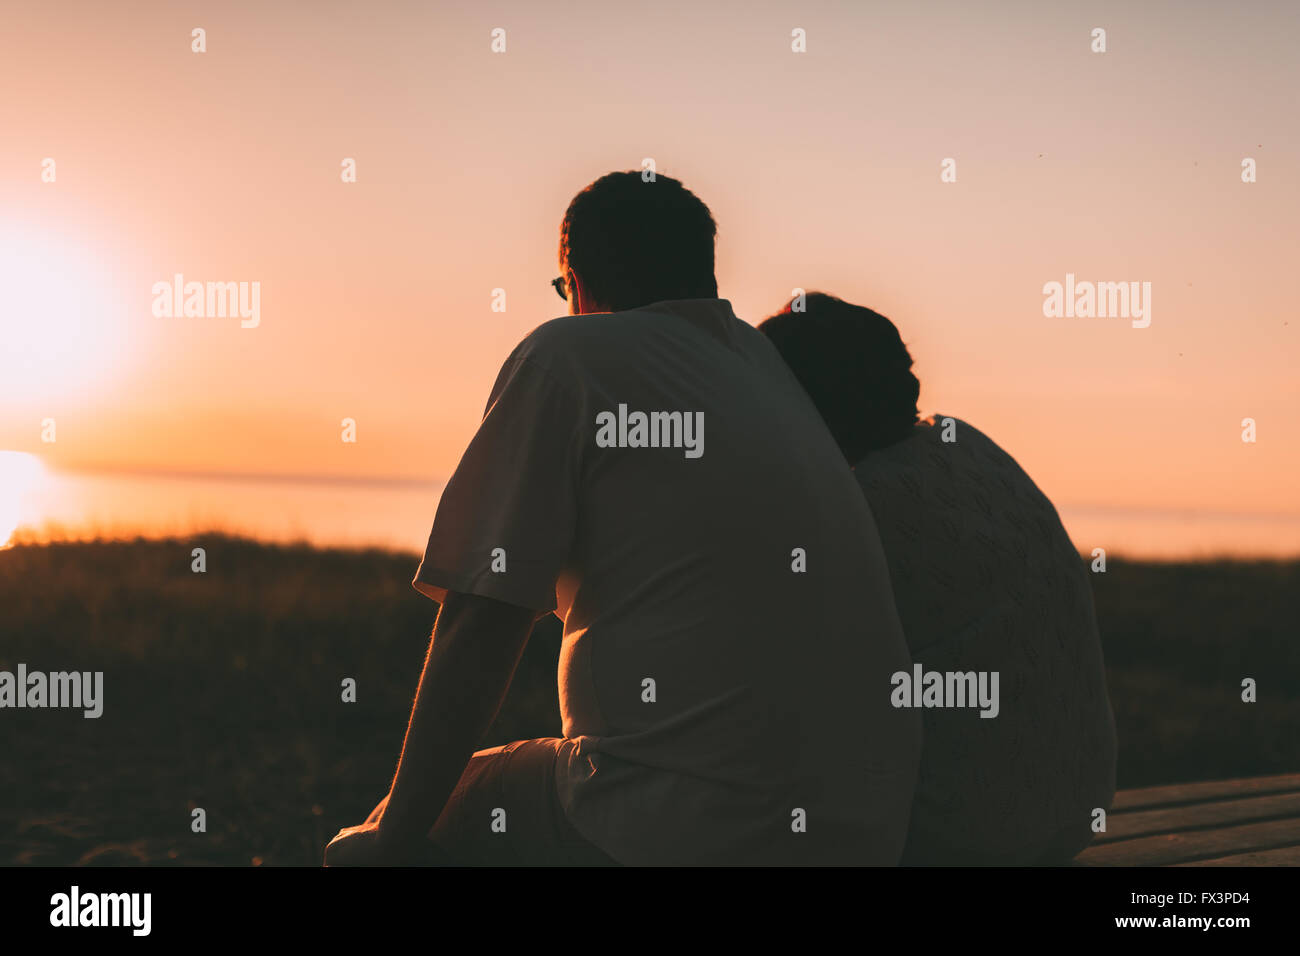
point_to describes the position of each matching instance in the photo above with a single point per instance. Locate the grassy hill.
(222, 690)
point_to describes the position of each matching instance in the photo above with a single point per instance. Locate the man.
(648, 469)
(987, 581)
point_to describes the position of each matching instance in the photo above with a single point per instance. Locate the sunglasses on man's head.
(558, 283)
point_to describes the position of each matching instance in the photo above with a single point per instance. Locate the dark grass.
(222, 690)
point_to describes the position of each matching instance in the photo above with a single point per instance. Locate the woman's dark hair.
(633, 242)
(854, 366)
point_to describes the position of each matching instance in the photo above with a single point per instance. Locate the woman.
(986, 580)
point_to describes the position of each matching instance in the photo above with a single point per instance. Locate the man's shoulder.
(580, 339)
(560, 333)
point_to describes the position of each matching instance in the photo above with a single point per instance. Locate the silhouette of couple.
(739, 624)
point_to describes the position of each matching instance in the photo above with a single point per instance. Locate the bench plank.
(1283, 856)
(1170, 848)
(1198, 816)
(1184, 793)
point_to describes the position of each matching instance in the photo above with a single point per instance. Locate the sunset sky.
(822, 169)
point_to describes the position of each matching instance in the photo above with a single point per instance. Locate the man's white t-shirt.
(729, 627)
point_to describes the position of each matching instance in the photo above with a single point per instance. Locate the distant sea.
(326, 512)
(398, 514)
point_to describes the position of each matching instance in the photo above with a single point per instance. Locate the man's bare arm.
(476, 646)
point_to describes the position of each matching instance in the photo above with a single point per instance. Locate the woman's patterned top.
(986, 579)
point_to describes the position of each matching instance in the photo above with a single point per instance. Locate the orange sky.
(821, 168)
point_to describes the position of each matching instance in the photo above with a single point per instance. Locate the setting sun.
(20, 475)
(60, 314)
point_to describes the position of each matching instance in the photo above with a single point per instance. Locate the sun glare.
(20, 475)
(60, 317)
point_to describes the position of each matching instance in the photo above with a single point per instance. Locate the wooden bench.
(1248, 822)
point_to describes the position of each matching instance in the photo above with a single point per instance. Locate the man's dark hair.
(854, 366)
(633, 242)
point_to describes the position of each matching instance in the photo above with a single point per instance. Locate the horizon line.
(247, 477)
(398, 481)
